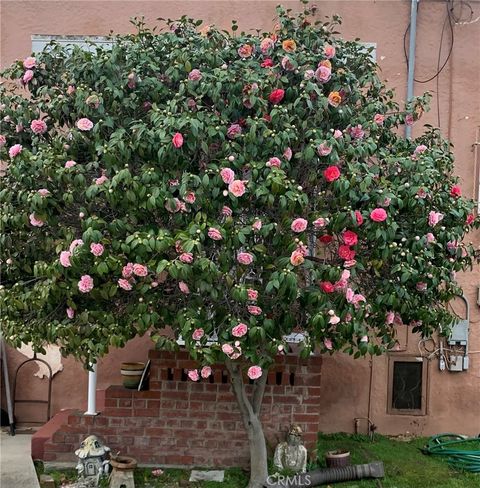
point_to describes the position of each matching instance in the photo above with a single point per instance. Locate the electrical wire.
(448, 19)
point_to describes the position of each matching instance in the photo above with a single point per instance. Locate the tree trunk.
(250, 411)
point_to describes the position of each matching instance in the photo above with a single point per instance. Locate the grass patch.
(405, 467)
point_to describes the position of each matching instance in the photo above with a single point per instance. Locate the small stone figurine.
(292, 454)
(93, 462)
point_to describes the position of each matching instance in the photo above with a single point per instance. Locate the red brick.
(118, 412)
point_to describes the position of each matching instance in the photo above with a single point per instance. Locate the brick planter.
(179, 422)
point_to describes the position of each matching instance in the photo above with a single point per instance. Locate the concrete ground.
(16, 465)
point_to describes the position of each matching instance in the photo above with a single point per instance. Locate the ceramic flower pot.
(132, 374)
(337, 459)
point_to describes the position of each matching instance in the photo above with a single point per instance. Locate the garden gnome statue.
(93, 462)
(292, 454)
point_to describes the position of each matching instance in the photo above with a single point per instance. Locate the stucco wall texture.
(453, 399)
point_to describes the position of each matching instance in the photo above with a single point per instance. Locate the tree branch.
(258, 392)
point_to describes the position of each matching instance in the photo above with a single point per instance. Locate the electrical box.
(455, 363)
(459, 334)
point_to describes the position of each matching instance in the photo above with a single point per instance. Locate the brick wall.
(179, 422)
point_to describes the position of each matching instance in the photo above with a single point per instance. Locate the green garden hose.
(452, 447)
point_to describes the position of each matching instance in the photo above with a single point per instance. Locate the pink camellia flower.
(346, 253)
(421, 193)
(420, 149)
(206, 372)
(332, 173)
(96, 249)
(38, 126)
(350, 238)
(350, 263)
(349, 294)
(3, 140)
(357, 132)
(297, 257)
(157, 472)
(409, 119)
(237, 188)
(328, 343)
(190, 197)
(35, 221)
(276, 96)
(334, 320)
(323, 74)
(239, 330)
(456, 191)
(70, 89)
(299, 225)
(254, 310)
(357, 298)
(319, 223)
(214, 234)
(173, 182)
(364, 338)
(267, 63)
(470, 219)
(195, 75)
(186, 257)
(27, 76)
(287, 154)
(379, 119)
(434, 218)
(389, 318)
(234, 131)
(245, 51)
(177, 140)
(245, 258)
(19, 128)
(101, 179)
(43, 192)
(132, 80)
(84, 124)
(65, 259)
(15, 150)
(274, 162)
(329, 51)
(337, 134)
(386, 202)
(227, 349)
(140, 270)
(421, 286)
(430, 237)
(29, 63)
(325, 239)
(85, 284)
(254, 372)
(193, 375)
(324, 149)
(257, 225)
(75, 243)
(70, 164)
(252, 294)
(184, 287)
(125, 284)
(327, 286)
(266, 44)
(227, 211)
(358, 217)
(198, 334)
(378, 215)
(309, 74)
(70, 313)
(228, 175)
(287, 64)
(127, 271)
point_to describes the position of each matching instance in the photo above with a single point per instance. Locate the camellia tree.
(231, 188)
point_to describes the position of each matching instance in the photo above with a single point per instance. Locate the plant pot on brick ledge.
(132, 374)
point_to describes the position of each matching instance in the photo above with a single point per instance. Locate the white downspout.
(92, 391)
(411, 59)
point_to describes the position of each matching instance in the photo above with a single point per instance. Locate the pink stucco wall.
(454, 398)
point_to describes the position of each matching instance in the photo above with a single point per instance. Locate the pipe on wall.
(411, 59)
(92, 391)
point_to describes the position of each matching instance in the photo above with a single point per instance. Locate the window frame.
(395, 358)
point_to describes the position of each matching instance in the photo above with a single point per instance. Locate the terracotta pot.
(337, 459)
(123, 463)
(132, 374)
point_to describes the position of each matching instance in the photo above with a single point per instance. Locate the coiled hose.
(448, 445)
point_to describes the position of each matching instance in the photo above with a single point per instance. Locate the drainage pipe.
(330, 475)
(411, 59)
(92, 391)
